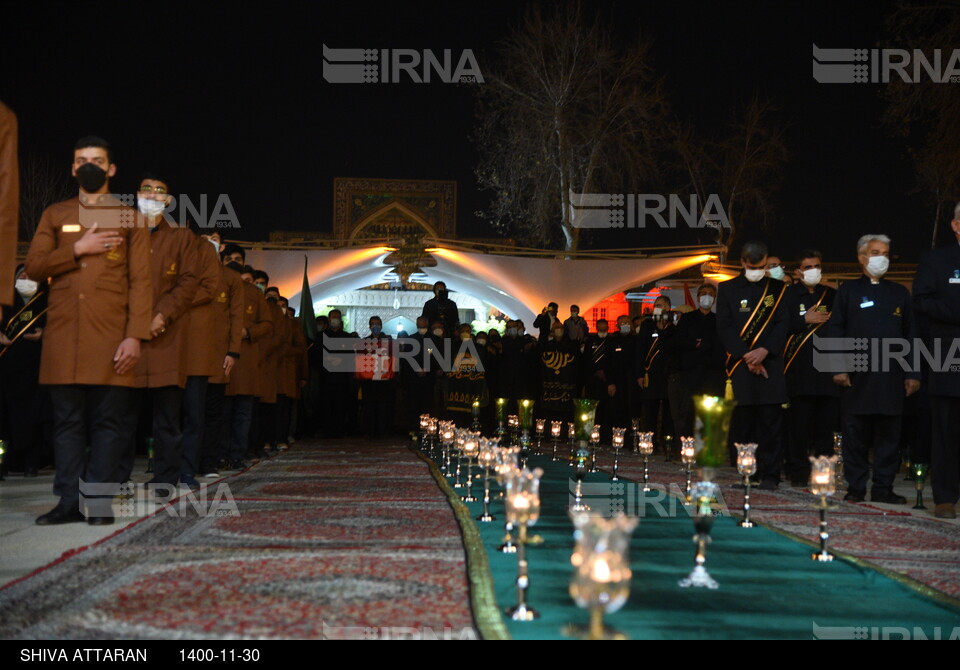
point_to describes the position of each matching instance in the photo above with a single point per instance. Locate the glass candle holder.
(523, 510)
(747, 467)
(617, 440)
(919, 471)
(823, 483)
(601, 570)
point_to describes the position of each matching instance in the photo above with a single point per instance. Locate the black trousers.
(811, 421)
(862, 431)
(24, 406)
(945, 454)
(336, 407)
(241, 420)
(194, 416)
(167, 405)
(762, 424)
(100, 412)
(657, 419)
(216, 413)
(377, 412)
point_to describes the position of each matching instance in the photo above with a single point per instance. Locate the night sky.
(228, 101)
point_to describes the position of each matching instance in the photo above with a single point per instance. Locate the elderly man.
(871, 401)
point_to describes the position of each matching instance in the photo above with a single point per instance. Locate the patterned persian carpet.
(339, 540)
(924, 549)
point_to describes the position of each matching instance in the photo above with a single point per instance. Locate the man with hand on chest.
(871, 398)
(98, 263)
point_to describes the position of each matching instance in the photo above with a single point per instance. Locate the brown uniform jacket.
(206, 347)
(95, 302)
(228, 319)
(271, 355)
(173, 266)
(295, 368)
(9, 202)
(245, 379)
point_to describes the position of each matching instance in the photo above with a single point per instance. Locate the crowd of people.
(127, 335)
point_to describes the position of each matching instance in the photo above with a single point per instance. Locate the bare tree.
(568, 110)
(742, 170)
(926, 115)
(43, 181)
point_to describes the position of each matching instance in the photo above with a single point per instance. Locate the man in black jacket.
(936, 296)
(441, 308)
(752, 324)
(654, 362)
(814, 413)
(871, 401)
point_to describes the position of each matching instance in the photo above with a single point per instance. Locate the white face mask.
(482, 341)
(26, 288)
(625, 329)
(755, 275)
(422, 331)
(812, 276)
(438, 332)
(657, 311)
(602, 334)
(877, 265)
(777, 273)
(706, 301)
(334, 323)
(150, 207)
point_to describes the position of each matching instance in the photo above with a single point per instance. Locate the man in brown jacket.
(226, 334)
(162, 369)
(205, 358)
(245, 384)
(98, 264)
(9, 201)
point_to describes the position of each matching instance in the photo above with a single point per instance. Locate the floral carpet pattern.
(339, 540)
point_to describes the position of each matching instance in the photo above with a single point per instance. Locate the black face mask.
(91, 177)
(272, 300)
(442, 294)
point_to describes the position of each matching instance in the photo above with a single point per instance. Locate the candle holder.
(594, 446)
(747, 467)
(646, 450)
(584, 413)
(471, 447)
(150, 453)
(3, 453)
(712, 429)
(823, 483)
(424, 422)
(601, 571)
(433, 432)
(838, 452)
(635, 432)
(908, 464)
(513, 423)
(447, 435)
(688, 455)
(487, 459)
(920, 471)
(523, 508)
(507, 458)
(572, 441)
(501, 408)
(525, 425)
(617, 444)
(541, 426)
(475, 413)
(458, 447)
(555, 428)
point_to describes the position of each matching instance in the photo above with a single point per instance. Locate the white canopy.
(519, 287)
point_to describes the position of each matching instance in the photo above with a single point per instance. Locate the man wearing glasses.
(98, 262)
(162, 369)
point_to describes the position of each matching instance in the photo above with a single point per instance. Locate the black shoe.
(768, 485)
(799, 482)
(887, 496)
(100, 520)
(854, 497)
(59, 515)
(237, 465)
(30, 473)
